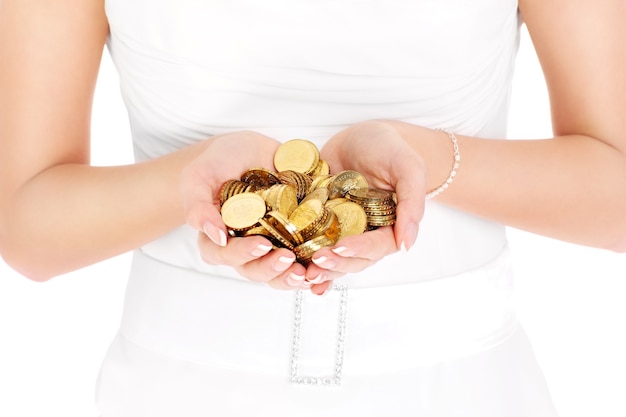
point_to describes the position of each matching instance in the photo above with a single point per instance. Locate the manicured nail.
(409, 238)
(214, 233)
(324, 262)
(260, 250)
(323, 293)
(283, 263)
(343, 251)
(318, 279)
(294, 280)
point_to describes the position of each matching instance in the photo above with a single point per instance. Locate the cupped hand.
(378, 151)
(226, 157)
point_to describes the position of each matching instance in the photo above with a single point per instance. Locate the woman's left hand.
(378, 151)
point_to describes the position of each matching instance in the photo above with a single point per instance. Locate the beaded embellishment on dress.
(335, 379)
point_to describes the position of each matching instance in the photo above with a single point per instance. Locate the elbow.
(618, 246)
(28, 271)
(22, 255)
(615, 217)
(34, 275)
(24, 263)
(616, 237)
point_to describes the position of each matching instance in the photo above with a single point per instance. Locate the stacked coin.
(301, 206)
(379, 205)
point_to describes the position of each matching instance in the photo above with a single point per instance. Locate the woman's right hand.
(226, 157)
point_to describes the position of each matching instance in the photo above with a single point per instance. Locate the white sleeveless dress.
(429, 332)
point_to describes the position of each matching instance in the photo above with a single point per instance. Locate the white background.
(570, 298)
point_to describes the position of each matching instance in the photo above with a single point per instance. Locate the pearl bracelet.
(457, 157)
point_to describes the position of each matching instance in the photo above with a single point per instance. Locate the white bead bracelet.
(457, 157)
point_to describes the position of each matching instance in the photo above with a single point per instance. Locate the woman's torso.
(190, 69)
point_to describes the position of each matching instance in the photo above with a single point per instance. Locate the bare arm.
(574, 186)
(571, 187)
(56, 212)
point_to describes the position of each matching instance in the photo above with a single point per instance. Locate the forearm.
(571, 188)
(72, 215)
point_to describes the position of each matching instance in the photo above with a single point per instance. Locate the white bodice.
(190, 69)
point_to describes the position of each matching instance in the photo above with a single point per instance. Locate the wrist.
(440, 151)
(456, 159)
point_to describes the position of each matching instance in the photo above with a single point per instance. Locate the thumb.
(202, 208)
(204, 216)
(410, 190)
(409, 212)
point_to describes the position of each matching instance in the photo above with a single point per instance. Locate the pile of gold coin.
(300, 205)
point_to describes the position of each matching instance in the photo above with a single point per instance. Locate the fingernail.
(324, 262)
(294, 280)
(283, 263)
(323, 293)
(318, 279)
(214, 233)
(410, 235)
(260, 250)
(343, 251)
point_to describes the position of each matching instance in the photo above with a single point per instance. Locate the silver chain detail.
(335, 379)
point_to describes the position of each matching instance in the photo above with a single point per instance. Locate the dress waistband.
(236, 324)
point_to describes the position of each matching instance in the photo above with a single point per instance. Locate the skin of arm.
(52, 212)
(57, 213)
(571, 187)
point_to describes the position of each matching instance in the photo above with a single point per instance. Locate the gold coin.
(320, 194)
(301, 182)
(303, 207)
(319, 226)
(322, 169)
(381, 219)
(335, 201)
(281, 197)
(283, 241)
(346, 181)
(232, 187)
(260, 177)
(330, 227)
(304, 252)
(285, 226)
(379, 210)
(352, 218)
(296, 155)
(321, 181)
(372, 199)
(370, 195)
(306, 215)
(287, 199)
(262, 231)
(242, 211)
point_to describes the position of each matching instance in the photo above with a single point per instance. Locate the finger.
(373, 244)
(317, 275)
(410, 182)
(200, 204)
(252, 256)
(355, 253)
(277, 263)
(329, 261)
(291, 279)
(237, 252)
(321, 289)
(409, 212)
